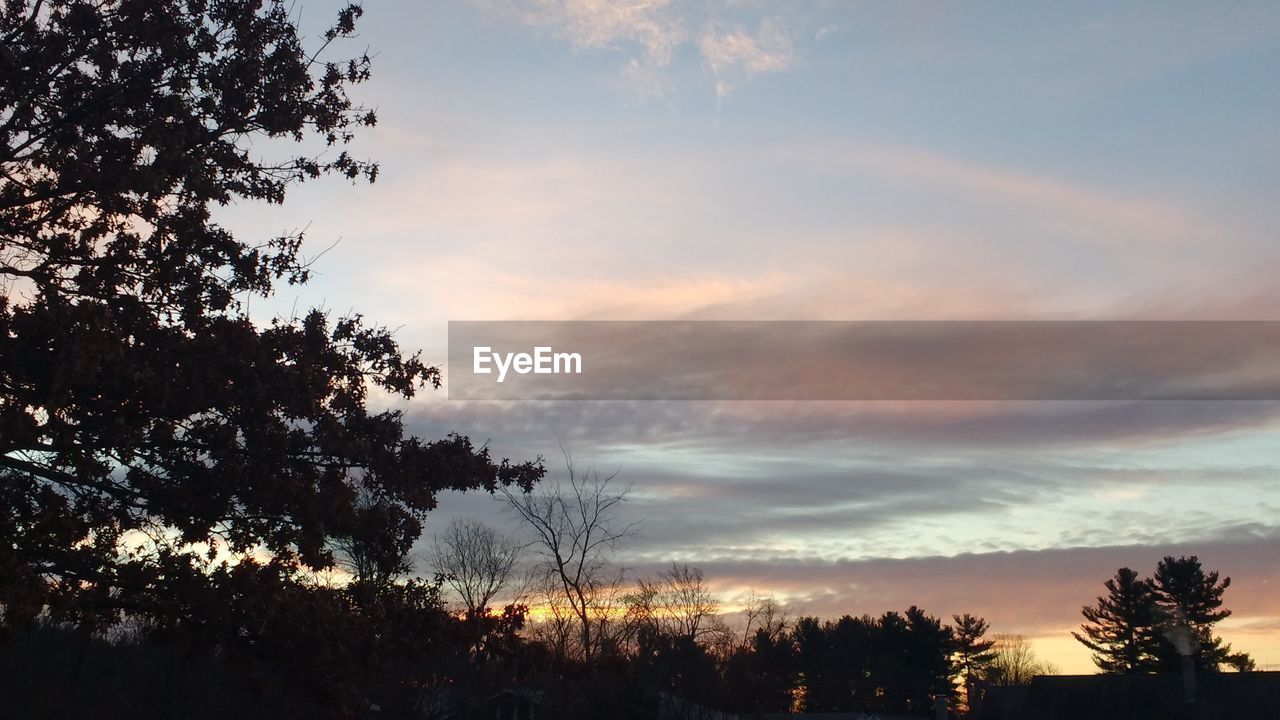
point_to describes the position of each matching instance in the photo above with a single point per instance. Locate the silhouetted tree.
(1015, 663)
(759, 613)
(476, 561)
(930, 643)
(617, 615)
(897, 663)
(575, 525)
(370, 567)
(161, 453)
(973, 653)
(1122, 627)
(675, 664)
(825, 667)
(762, 678)
(679, 603)
(1241, 662)
(1184, 590)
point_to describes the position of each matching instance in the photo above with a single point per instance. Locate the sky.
(753, 160)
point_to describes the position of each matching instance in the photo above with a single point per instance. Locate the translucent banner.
(864, 360)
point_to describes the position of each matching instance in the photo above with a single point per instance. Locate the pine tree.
(1122, 628)
(973, 654)
(1183, 589)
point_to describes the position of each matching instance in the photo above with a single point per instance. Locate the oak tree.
(163, 453)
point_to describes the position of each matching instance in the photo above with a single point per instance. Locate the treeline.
(429, 658)
(666, 636)
(553, 622)
(897, 663)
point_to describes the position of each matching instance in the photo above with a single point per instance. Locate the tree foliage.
(896, 663)
(162, 453)
(1121, 628)
(1186, 593)
(973, 652)
(762, 677)
(1131, 628)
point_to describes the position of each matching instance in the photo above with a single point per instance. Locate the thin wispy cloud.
(649, 34)
(736, 55)
(1034, 582)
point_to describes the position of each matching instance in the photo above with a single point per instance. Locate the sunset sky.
(741, 160)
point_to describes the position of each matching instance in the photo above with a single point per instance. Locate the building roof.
(1219, 696)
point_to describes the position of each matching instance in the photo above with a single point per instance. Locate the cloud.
(649, 25)
(1015, 511)
(574, 232)
(602, 23)
(1030, 591)
(885, 429)
(736, 56)
(513, 295)
(646, 32)
(650, 32)
(1115, 217)
(742, 480)
(1255, 626)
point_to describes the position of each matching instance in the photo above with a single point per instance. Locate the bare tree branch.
(476, 561)
(575, 524)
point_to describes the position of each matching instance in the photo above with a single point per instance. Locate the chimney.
(1187, 642)
(940, 707)
(1188, 680)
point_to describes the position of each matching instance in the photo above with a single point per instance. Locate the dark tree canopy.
(1185, 592)
(161, 453)
(1130, 628)
(763, 677)
(1121, 628)
(896, 663)
(973, 652)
